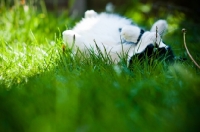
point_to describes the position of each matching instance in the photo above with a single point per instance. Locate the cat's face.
(150, 46)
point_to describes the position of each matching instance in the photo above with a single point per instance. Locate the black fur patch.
(141, 33)
(166, 53)
(155, 53)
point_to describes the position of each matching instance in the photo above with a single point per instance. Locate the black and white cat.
(114, 35)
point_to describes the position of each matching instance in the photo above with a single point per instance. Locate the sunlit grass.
(44, 88)
(29, 43)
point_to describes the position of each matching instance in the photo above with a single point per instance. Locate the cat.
(114, 35)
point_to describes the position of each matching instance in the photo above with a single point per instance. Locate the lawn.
(43, 88)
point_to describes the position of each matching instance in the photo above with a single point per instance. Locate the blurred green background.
(43, 88)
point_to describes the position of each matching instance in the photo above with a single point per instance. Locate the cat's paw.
(73, 39)
(90, 14)
(130, 33)
(160, 27)
(69, 36)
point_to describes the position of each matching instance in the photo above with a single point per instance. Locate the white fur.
(90, 13)
(103, 30)
(130, 33)
(160, 26)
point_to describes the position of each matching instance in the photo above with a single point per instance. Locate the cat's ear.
(160, 27)
(90, 14)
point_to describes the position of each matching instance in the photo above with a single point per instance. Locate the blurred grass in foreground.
(43, 88)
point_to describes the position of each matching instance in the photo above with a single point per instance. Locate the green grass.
(43, 88)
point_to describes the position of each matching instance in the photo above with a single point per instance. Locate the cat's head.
(149, 44)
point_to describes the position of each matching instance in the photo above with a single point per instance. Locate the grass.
(43, 88)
